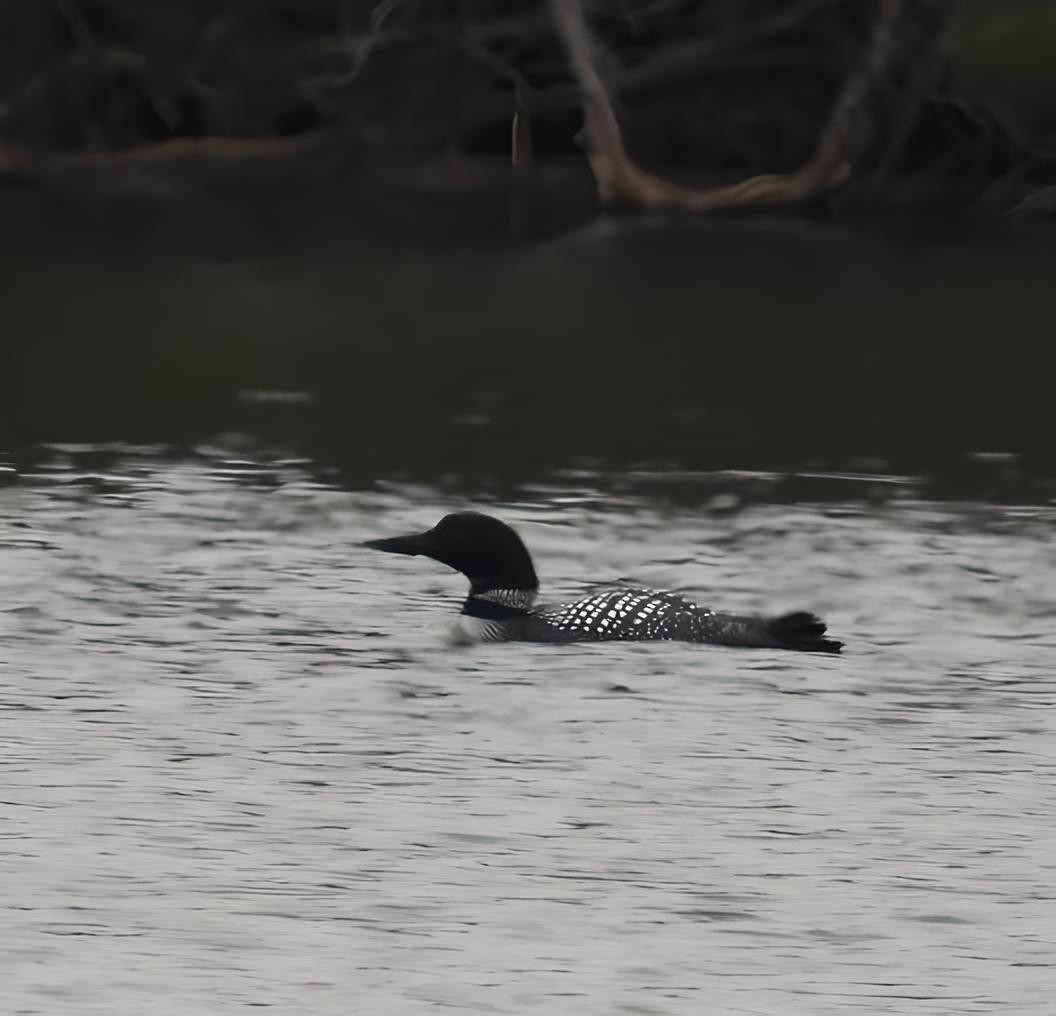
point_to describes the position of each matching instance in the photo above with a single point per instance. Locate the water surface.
(242, 766)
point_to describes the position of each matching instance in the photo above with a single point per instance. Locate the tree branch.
(619, 179)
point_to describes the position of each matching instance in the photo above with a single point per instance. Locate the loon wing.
(650, 614)
(633, 614)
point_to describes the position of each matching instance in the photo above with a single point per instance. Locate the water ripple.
(242, 767)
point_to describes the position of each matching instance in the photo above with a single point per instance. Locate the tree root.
(620, 180)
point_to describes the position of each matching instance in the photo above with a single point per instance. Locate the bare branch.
(619, 179)
(75, 20)
(521, 126)
(677, 59)
(366, 47)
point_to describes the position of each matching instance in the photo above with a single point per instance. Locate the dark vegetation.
(946, 104)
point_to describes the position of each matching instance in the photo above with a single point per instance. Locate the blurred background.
(298, 223)
(965, 113)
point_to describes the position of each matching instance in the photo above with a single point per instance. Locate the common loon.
(501, 604)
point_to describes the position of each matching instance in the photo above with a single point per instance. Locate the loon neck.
(499, 604)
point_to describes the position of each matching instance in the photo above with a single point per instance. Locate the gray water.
(242, 767)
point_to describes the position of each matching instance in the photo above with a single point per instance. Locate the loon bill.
(501, 604)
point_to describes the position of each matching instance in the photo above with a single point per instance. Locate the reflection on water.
(241, 766)
(707, 349)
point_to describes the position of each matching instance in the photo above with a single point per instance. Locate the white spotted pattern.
(637, 614)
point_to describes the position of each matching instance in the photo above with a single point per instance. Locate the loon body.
(501, 606)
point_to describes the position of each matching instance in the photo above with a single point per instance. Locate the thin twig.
(678, 58)
(520, 128)
(378, 16)
(75, 19)
(1040, 204)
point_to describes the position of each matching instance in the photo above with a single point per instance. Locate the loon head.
(488, 552)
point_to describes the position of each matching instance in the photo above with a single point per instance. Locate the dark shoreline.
(319, 205)
(160, 103)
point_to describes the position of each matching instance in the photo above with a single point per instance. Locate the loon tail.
(804, 632)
